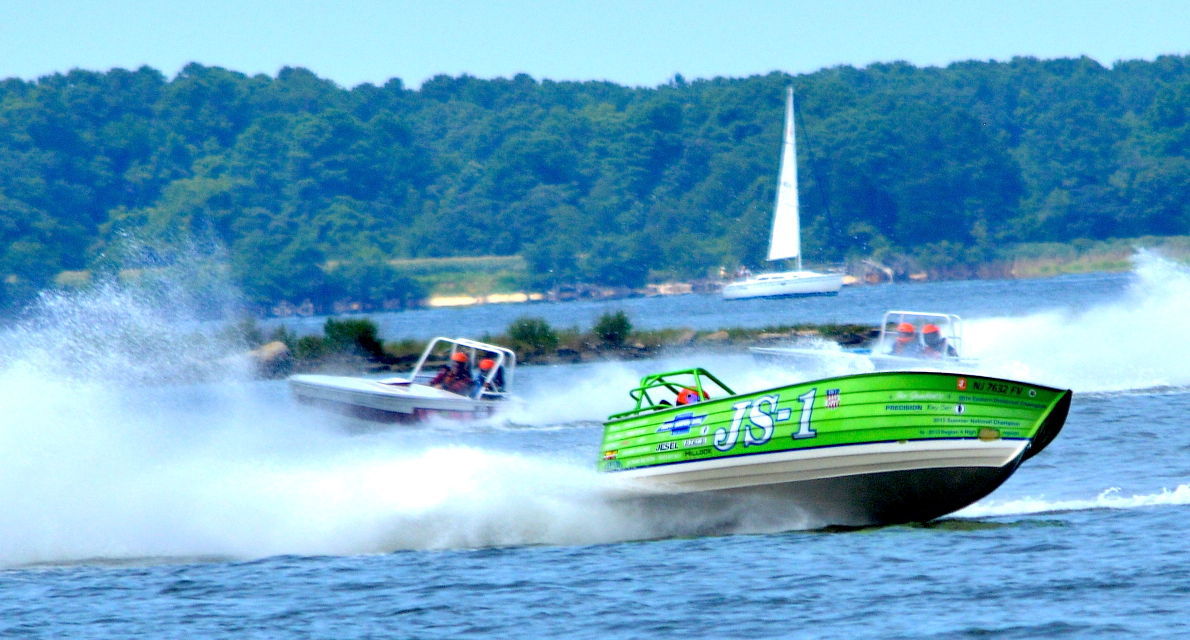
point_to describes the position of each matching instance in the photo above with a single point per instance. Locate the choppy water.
(222, 509)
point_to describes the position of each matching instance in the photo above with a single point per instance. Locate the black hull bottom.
(893, 497)
(876, 499)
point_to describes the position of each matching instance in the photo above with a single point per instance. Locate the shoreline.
(275, 359)
(1043, 260)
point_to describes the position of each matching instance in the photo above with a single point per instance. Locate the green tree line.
(310, 189)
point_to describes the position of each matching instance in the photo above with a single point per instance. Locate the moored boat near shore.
(472, 380)
(859, 450)
(785, 240)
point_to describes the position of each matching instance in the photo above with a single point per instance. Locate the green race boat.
(858, 450)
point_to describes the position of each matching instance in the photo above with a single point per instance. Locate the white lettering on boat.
(726, 437)
(759, 429)
(803, 428)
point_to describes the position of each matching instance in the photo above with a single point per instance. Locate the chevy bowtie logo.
(681, 423)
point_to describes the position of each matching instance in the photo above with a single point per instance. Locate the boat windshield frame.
(671, 383)
(949, 324)
(505, 359)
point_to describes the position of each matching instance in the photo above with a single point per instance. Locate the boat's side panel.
(887, 407)
(810, 358)
(827, 462)
(885, 362)
(372, 400)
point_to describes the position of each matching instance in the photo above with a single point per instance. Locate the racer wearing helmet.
(690, 396)
(936, 346)
(906, 343)
(456, 379)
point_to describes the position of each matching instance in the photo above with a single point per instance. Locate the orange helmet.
(690, 396)
(930, 328)
(486, 364)
(906, 327)
(459, 356)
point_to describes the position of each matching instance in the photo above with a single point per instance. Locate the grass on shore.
(1043, 259)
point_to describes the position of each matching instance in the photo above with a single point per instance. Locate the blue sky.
(641, 43)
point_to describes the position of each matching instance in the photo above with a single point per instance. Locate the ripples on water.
(223, 510)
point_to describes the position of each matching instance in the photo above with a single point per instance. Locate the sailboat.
(785, 241)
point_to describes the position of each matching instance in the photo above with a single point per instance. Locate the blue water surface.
(1086, 540)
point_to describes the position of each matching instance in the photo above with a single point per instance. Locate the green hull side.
(848, 410)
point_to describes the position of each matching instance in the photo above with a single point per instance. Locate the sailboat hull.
(785, 285)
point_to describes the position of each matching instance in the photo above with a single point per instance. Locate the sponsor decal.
(682, 424)
(902, 396)
(610, 455)
(667, 446)
(961, 383)
(996, 422)
(694, 442)
(832, 398)
(902, 407)
(696, 453)
(959, 409)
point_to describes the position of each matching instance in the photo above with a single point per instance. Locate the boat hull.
(379, 401)
(785, 285)
(878, 499)
(860, 450)
(871, 488)
(804, 358)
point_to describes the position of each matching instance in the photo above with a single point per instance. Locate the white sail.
(785, 241)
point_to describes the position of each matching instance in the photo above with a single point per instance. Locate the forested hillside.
(309, 189)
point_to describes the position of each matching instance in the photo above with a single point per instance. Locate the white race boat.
(935, 342)
(785, 240)
(423, 393)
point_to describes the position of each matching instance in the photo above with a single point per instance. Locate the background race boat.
(413, 398)
(936, 343)
(859, 450)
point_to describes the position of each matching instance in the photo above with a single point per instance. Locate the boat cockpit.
(491, 367)
(674, 388)
(920, 334)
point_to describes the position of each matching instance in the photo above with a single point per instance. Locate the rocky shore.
(282, 356)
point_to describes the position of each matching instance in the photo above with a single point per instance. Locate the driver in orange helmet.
(936, 346)
(457, 379)
(496, 380)
(690, 396)
(906, 343)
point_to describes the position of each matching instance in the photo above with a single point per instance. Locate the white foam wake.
(1111, 498)
(1136, 342)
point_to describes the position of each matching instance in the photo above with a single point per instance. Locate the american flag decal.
(832, 398)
